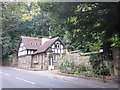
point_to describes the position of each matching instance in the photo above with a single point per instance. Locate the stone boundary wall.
(79, 59)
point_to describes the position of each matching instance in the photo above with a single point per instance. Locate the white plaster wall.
(22, 53)
(28, 51)
(57, 50)
(22, 47)
(61, 46)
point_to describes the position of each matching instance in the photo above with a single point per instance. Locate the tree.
(85, 26)
(89, 24)
(19, 19)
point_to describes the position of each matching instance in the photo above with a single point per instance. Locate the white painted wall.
(57, 50)
(62, 46)
(22, 53)
(30, 52)
(22, 50)
(53, 46)
(62, 51)
(22, 47)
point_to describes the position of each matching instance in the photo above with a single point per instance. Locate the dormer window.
(34, 44)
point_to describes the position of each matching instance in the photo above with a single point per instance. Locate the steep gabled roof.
(31, 42)
(46, 45)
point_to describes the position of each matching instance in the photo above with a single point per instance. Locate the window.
(57, 44)
(35, 59)
(34, 44)
(55, 58)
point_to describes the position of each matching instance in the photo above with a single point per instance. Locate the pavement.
(19, 78)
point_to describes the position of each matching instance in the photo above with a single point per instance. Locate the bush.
(104, 71)
(95, 61)
(80, 70)
(66, 64)
(82, 73)
(71, 72)
(89, 74)
(96, 71)
(82, 67)
(76, 71)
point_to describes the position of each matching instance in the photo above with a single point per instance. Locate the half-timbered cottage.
(39, 53)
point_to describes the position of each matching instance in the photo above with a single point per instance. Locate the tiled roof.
(46, 45)
(35, 43)
(31, 42)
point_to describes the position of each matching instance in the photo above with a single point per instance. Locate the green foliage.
(10, 57)
(99, 66)
(87, 23)
(96, 71)
(76, 71)
(104, 71)
(116, 41)
(90, 74)
(66, 64)
(94, 48)
(82, 67)
(16, 24)
(95, 61)
(85, 26)
(111, 67)
(66, 38)
(82, 73)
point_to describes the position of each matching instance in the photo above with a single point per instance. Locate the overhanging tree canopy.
(85, 26)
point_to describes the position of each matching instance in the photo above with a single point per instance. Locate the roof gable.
(32, 43)
(46, 45)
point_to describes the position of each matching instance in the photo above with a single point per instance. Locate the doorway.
(50, 67)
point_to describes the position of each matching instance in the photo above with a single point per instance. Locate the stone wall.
(14, 60)
(42, 63)
(27, 62)
(116, 59)
(24, 62)
(78, 59)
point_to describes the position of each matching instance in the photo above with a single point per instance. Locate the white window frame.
(35, 59)
(55, 58)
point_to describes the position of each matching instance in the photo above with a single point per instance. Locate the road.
(18, 78)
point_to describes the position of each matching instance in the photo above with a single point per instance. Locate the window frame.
(35, 59)
(55, 58)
